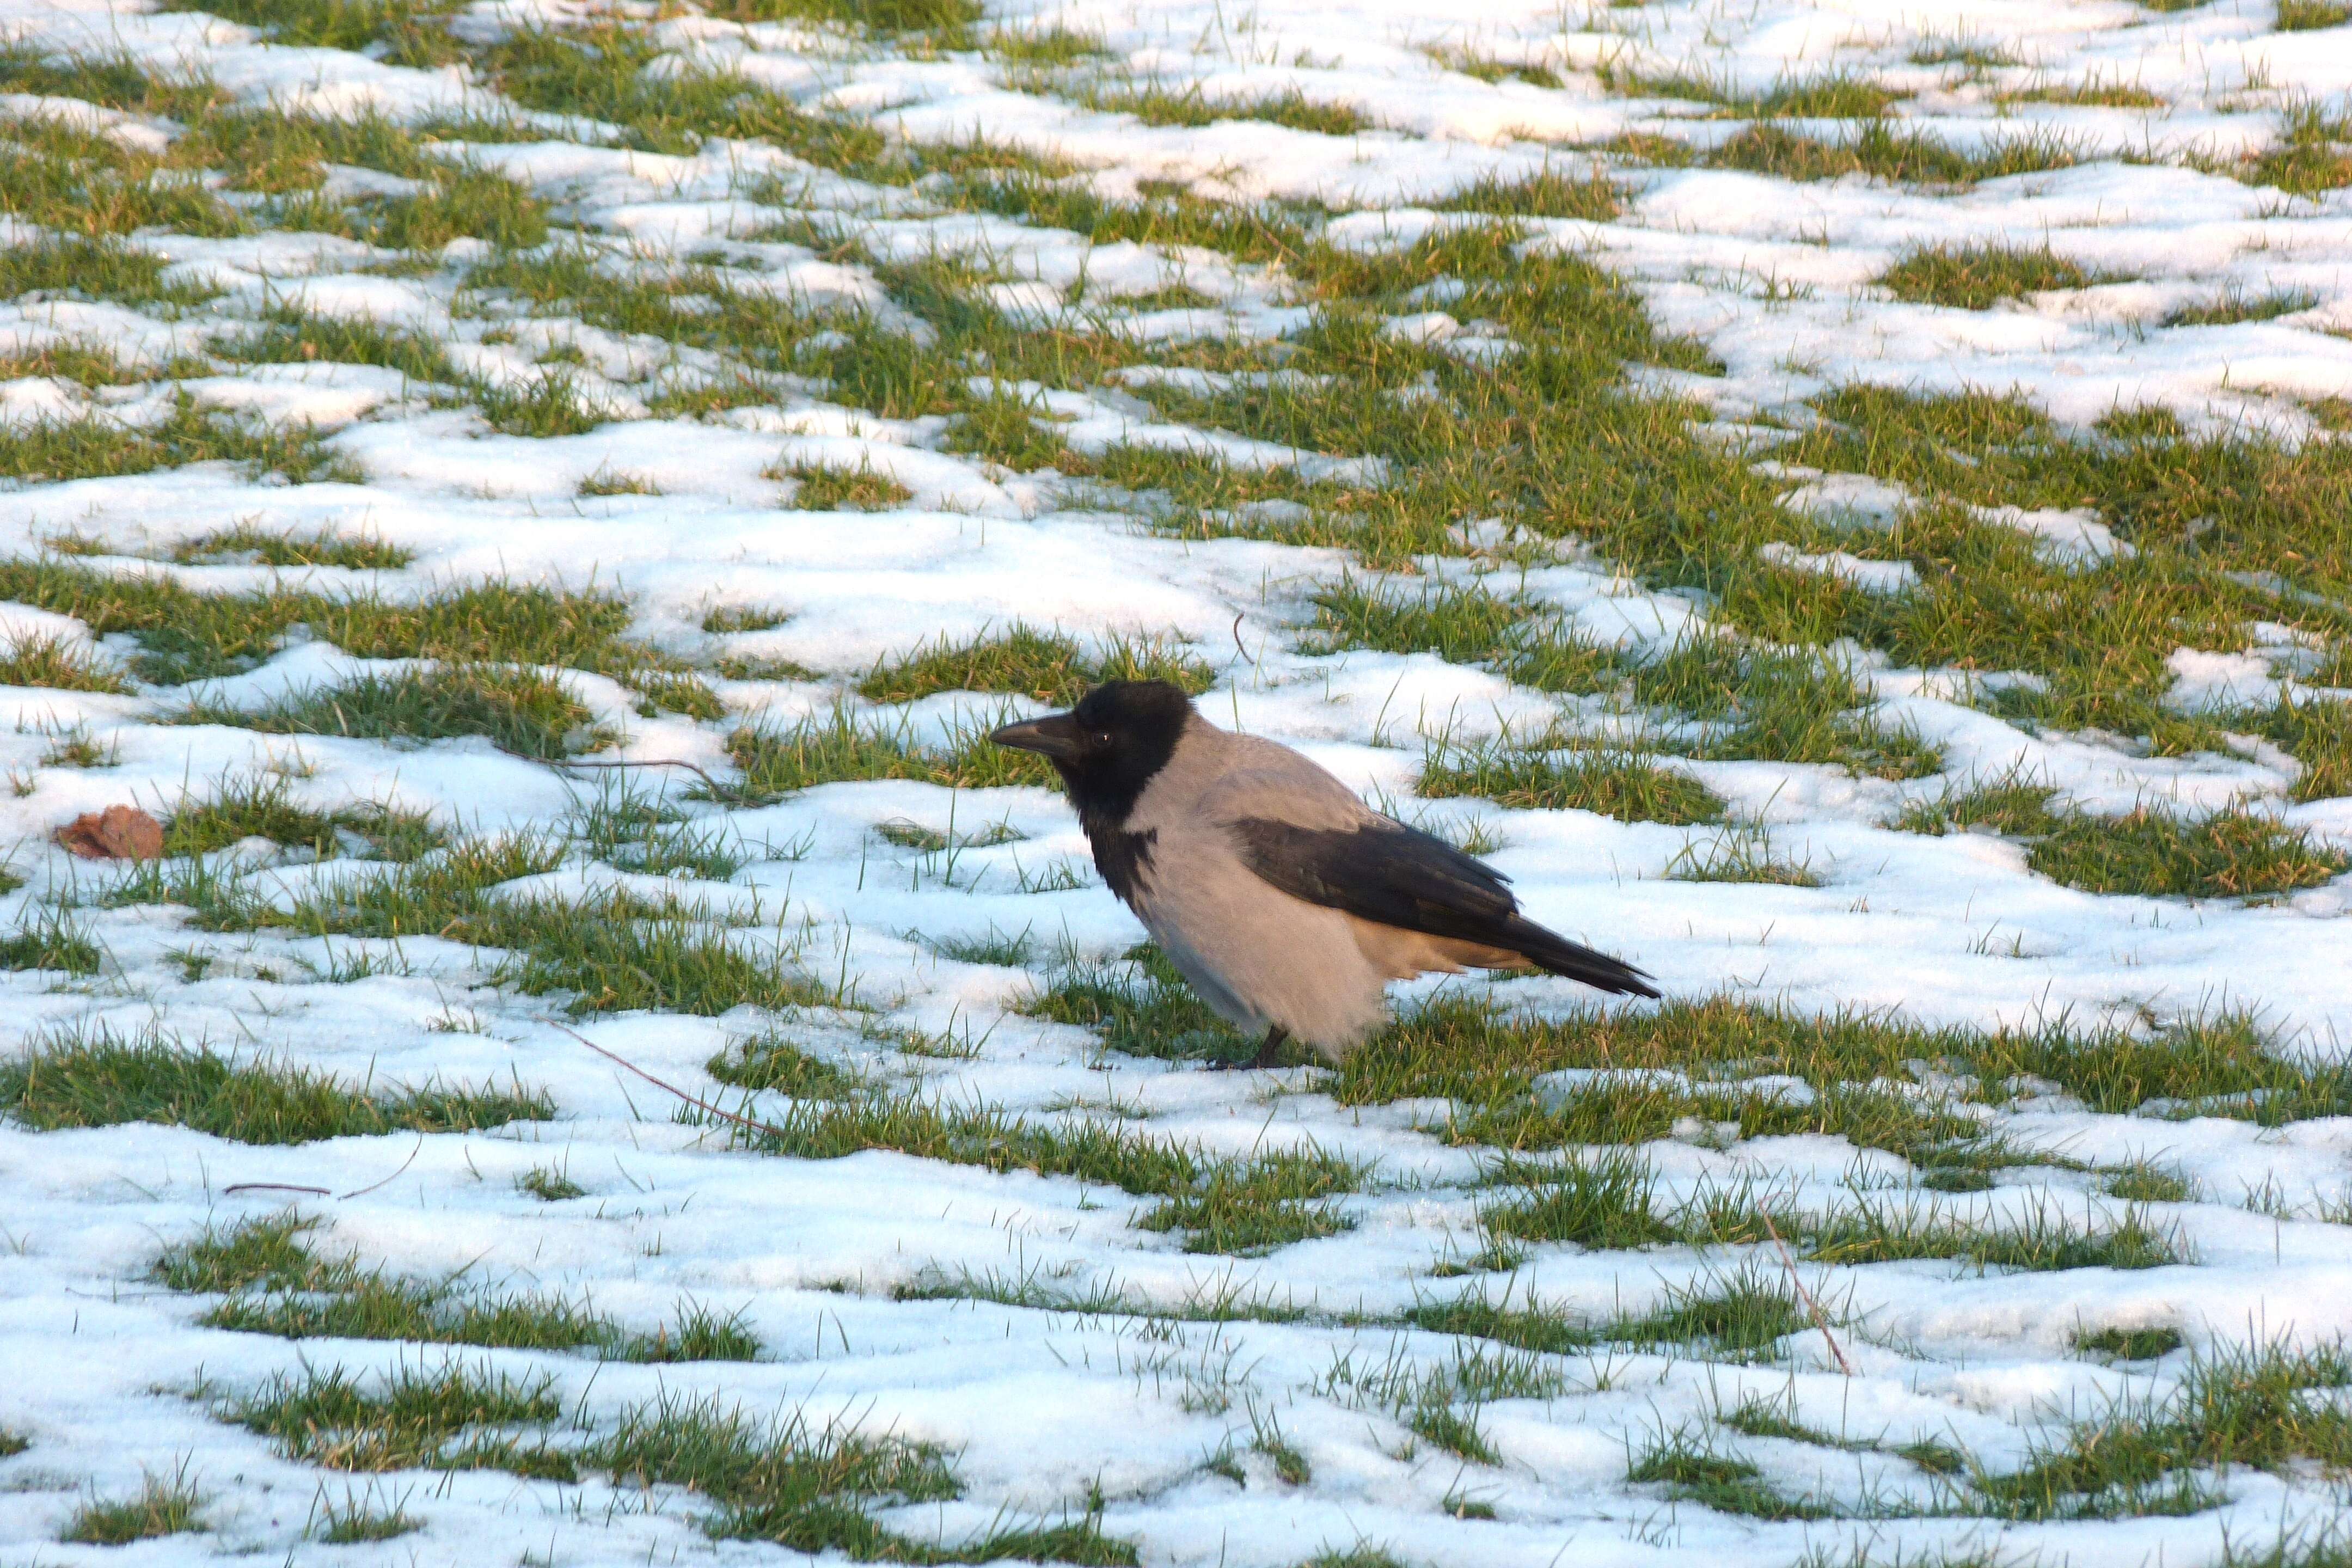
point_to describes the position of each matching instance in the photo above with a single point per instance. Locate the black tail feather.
(1555, 953)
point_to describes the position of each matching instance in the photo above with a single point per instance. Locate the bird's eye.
(1101, 738)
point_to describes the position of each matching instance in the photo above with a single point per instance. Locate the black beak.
(1056, 737)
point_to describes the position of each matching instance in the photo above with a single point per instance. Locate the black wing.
(1402, 877)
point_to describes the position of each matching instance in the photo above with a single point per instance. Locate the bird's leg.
(1275, 1036)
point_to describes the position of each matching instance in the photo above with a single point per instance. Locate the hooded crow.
(1287, 902)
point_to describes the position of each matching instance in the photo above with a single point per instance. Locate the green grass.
(816, 489)
(1013, 950)
(97, 448)
(58, 664)
(1531, 1327)
(270, 153)
(2147, 851)
(1461, 625)
(549, 1185)
(355, 1520)
(611, 950)
(952, 17)
(283, 158)
(907, 834)
(1759, 1417)
(1448, 1427)
(1754, 702)
(2092, 92)
(456, 202)
(2143, 1183)
(1741, 1316)
(164, 1507)
(2312, 16)
(2234, 306)
(85, 364)
(1485, 1059)
(247, 544)
(185, 634)
(730, 618)
(2129, 1345)
(2099, 638)
(1979, 276)
(625, 825)
(598, 71)
(1601, 1202)
(52, 941)
(113, 80)
(1605, 1201)
(841, 746)
(2318, 734)
(2043, 1240)
(2163, 1452)
(448, 1418)
(68, 180)
(275, 1284)
(401, 31)
(518, 710)
(1693, 1471)
(809, 1488)
(2309, 158)
(1593, 198)
(619, 953)
(778, 1479)
(95, 1078)
(1777, 705)
(1884, 151)
(1230, 1205)
(606, 482)
(262, 806)
(1969, 49)
(1162, 216)
(1143, 1008)
(770, 1063)
(1163, 103)
(2158, 854)
(1247, 1208)
(1832, 95)
(1741, 853)
(548, 405)
(1621, 784)
(1052, 46)
(1008, 431)
(75, 747)
(1492, 68)
(1045, 665)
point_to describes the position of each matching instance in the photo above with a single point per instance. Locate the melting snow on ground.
(1043, 1409)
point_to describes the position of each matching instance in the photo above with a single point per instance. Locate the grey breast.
(1257, 954)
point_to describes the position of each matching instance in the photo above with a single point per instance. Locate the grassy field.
(544, 513)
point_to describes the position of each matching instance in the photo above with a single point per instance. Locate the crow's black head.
(1108, 747)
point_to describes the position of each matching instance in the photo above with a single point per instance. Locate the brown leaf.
(118, 833)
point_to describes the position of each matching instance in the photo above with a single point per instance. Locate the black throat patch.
(1124, 859)
(1128, 729)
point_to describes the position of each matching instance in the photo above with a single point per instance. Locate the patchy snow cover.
(1039, 1406)
(1871, 576)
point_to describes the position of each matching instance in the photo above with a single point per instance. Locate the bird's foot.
(1268, 1051)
